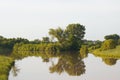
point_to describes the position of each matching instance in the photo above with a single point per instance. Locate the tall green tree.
(75, 33)
(71, 37)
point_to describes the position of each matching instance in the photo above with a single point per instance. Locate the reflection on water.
(109, 61)
(15, 70)
(72, 64)
(64, 66)
(45, 59)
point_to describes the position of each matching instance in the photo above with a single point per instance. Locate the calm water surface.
(92, 68)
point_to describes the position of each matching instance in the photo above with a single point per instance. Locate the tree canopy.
(112, 36)
(71, 37)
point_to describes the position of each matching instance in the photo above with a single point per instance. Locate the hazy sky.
(32, 19)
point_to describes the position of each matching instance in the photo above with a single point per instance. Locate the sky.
(32, 19)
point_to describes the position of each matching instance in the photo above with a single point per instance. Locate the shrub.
(108, 44)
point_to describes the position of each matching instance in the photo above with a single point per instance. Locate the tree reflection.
(70, 63)
(109, 61)
(45, 59)
(15, 70)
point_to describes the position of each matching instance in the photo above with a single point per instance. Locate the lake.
(65, 67)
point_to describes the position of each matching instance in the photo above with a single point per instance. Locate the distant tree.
(92, 45)
(1, 37)
(36, 41)
(6, 44)
(46, 39)
(112, 36)
(108, 44)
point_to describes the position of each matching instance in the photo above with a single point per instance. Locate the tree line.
(69, 39)
(60, 39)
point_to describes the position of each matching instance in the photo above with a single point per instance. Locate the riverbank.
(5, 66)
(111, 53)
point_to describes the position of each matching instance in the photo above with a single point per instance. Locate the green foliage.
(21, 49)
(92, 48)
(5, 65)
(71, 37)
(75, 31)
(115, 37)
(83, 51)
(53, 47)
(6, 45)
(108, 47)
(112, 36)
(29, 47)
(58, 33)
(108, 44)
(92, 45)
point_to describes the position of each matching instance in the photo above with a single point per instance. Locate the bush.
(30, 49)
(108, 44)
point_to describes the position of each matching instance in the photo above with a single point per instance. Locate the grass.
(112, 53)
(5, 66)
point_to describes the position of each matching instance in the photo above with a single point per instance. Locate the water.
(64, 68)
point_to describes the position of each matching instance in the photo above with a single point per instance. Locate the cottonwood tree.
(71, 37)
